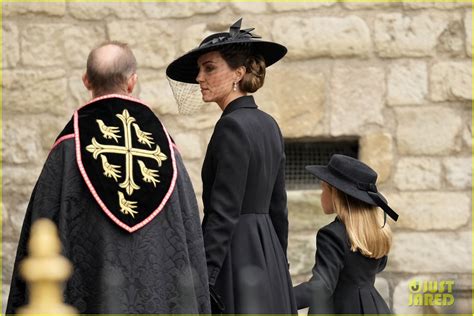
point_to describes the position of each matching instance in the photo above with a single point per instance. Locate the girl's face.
(215, 78)
(326, 198)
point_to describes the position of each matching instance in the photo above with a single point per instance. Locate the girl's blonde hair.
(363, 225)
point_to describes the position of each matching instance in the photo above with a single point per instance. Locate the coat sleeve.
(278, 207)
(318, 291)
(44, 202)
(232, 153)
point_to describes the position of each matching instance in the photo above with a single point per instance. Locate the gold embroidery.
(143, 137)
(112, 171)
(149, 175)
(127, 207)
(108, 132)
(109, 169)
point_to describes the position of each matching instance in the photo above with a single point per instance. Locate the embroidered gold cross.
(129, 151)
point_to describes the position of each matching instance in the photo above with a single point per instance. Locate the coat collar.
(239, 103)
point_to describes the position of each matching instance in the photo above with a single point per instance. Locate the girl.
(354, 247)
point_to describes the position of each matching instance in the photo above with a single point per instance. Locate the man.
(119, 193)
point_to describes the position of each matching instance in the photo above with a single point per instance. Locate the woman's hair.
(363, 224)
(242, 55)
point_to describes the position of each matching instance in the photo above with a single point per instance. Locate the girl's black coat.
(342, 281)
(245, 222)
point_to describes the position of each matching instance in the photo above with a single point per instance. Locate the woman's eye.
(209, 69)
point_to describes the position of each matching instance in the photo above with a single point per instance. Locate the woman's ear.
(240, 72)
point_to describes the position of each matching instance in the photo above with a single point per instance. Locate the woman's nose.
(199, 77)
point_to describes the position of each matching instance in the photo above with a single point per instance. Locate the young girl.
(354, 247)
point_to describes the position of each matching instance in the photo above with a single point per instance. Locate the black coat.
(245, 222)
(158, 269)
(343, 280)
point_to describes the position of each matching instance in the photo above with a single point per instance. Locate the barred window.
(301, 153)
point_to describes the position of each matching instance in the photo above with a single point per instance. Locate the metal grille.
(302, 153)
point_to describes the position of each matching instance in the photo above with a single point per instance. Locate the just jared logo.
(431, 293)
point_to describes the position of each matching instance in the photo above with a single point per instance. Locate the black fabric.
(343, 280)
(160, 269)
(149, 196)
(354, 178)
(245, 222)
(184, 68)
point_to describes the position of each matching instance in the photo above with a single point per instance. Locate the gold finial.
(44, 271)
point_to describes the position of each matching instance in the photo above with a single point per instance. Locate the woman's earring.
(235, 86)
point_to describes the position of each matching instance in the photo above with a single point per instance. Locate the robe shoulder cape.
(145, 257)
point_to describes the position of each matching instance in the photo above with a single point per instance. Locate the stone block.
(299, 6)
(467, 135)
(468, 32)
(248, 7)
(164, 10)
(100, 11)
(8, 259)
(21, 140)
(301, 253)
(299, 107)
(193, 168)
(59, 44)
(418, 174)
(34, 91)
(451, 41)
(78, 41)
(323, 36)
(189, 144)
(431, 252)
(428, 131)
(52, 9)
(451, 5)
(20, 176)
(398, 35)
(425, 211)
(357, 96)
(204, 119)
(451, 81)
(5, 293)
(156, 45)
(458, 172)
(304, 211)
(407, 83)
(193, 36)
(369, 5)
(11, 45)
(77, 93)
(156, 92)
(376, 150)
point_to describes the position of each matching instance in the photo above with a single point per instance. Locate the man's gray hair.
(108, 73)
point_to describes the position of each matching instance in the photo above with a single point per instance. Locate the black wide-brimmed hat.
(354, 178)
(184, 69)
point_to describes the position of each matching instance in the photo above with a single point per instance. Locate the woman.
(245, 222)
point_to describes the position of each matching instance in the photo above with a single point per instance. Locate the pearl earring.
(235, 86)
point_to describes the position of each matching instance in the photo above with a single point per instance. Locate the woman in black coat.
(353, 248)
(245, 222)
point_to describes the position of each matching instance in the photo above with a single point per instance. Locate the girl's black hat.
(354, 178)
(184, 69)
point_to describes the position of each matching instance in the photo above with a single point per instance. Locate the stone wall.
(395, 75)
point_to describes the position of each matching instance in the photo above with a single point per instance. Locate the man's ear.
(86, 82)
(131, 82)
